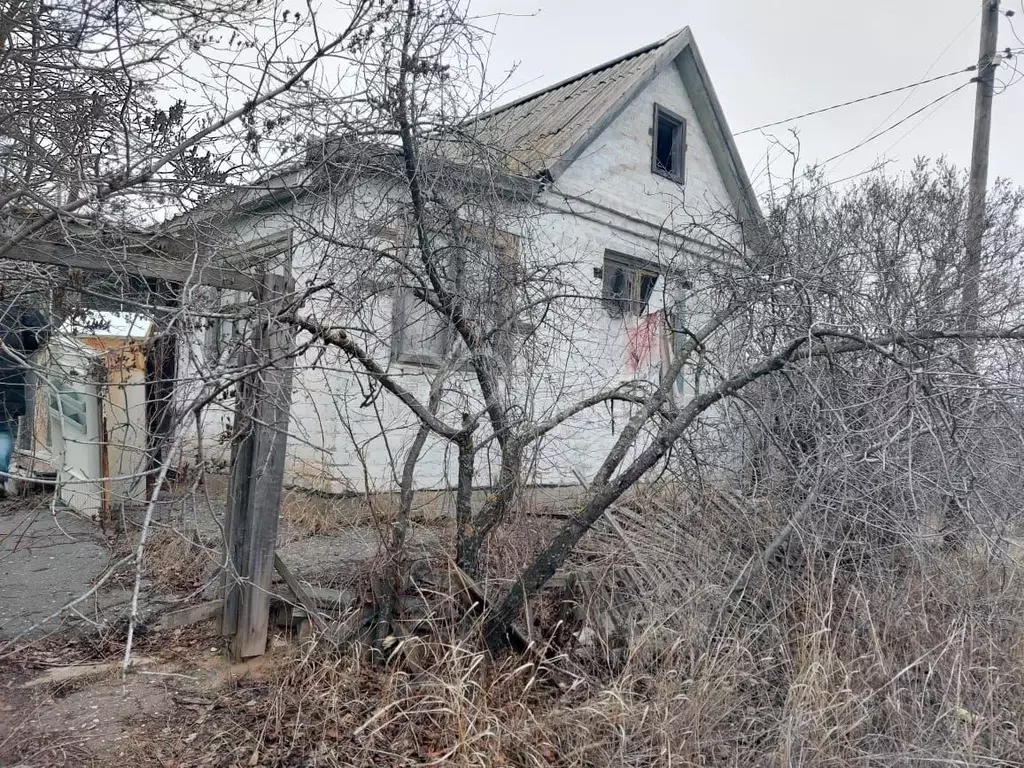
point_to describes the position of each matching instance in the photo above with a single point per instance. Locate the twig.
(143, 534)
(755, 565)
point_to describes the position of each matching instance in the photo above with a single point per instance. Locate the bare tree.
(415, 215)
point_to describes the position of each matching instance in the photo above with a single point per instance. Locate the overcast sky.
(770, 59)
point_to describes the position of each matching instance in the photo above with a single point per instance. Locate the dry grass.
(177, 563)
(911, 657)
(311, 514)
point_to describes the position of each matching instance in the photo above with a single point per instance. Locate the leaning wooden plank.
(183, 617)
(332, 599)
(305, 599)
(326, 600)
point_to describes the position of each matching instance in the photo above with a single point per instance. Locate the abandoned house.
(601, 179)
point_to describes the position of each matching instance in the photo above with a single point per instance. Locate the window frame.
(679, 144)
(634, 306)
(401, 297)
(70, 405)
(505, 248)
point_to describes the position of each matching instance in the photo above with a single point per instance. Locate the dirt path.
(67, 704)
(45, 562)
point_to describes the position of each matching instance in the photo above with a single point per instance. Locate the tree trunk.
(468, 557)
(394, 580)
(473, 535)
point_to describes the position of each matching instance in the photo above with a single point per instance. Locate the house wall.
(609, 199)
(615, 170)
(346, 436)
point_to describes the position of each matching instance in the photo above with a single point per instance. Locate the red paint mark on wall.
(642, 340)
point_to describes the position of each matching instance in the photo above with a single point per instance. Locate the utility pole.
(954, 532)
(987, 63)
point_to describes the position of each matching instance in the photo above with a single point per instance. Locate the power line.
(971, 68)
(1009, 14)
(1009, 17)
(927, 72)
(914, 127)
(936, 103)
(898, 123)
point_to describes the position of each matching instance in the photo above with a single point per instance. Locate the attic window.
(669, 144)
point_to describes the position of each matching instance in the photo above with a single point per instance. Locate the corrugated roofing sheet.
(538, 129)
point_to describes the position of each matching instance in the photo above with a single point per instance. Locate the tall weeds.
(912, 656)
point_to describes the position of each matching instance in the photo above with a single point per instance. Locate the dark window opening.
(628, 284)
(669, 144)
(647, 282)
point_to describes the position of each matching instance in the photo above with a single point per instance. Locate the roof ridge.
(579, 76)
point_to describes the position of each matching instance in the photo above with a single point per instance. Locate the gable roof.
(544, 132)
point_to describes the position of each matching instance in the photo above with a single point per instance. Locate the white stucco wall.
(345, 437)
(615, 170)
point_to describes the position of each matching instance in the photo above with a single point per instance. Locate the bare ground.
(59, 706)
(63, 699)
(46, 560)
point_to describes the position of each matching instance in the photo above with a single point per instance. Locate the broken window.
(669, 144)
(628, 284)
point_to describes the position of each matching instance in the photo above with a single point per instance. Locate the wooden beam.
(173, 268)
(191, 615)
(305, 599)
(269, 399)
(236, 519)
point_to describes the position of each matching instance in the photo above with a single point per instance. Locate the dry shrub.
(310, 515)
(437, 698)
(910, 656)
(511, 546)
(313, 514)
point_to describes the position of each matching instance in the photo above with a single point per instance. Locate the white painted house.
(609, 172)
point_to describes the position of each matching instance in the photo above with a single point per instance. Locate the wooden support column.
(239, 493)
(161, 371)
(254, 501)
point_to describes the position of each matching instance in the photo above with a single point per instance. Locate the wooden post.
(955, 520)
(236, 517)
(257, 476)
(262, 415)
(161, 370)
